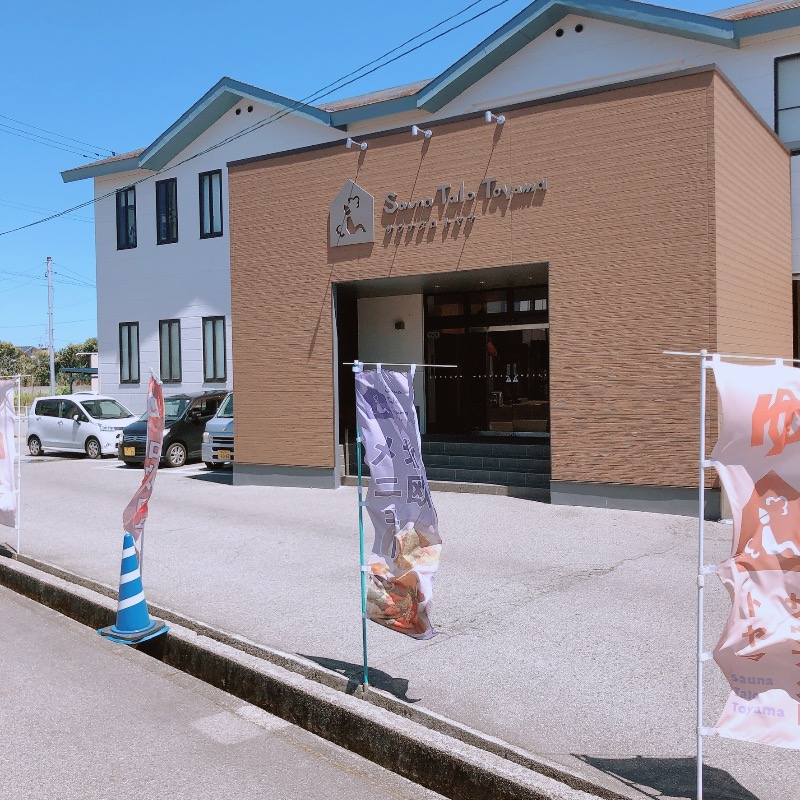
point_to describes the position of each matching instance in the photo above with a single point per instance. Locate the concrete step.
(487, 462)
(538, 480)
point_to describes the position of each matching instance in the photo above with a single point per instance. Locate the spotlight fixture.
(360, 145)
(416, 131)
(500, 118)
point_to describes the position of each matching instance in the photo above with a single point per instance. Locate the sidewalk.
(567, 632)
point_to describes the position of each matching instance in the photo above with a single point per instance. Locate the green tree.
(10, 358)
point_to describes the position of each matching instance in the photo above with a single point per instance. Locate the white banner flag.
(405, 555)
(758, 460)
(8, 456)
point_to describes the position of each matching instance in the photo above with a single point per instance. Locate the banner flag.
(135, 515)
(407, 546)
(758, 460)
(8, 456)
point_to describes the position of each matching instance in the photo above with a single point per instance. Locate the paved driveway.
(569, 632)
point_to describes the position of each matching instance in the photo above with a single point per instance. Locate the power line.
(60, 136)
(35, 137)
(37, 209)
(278, 115)
(39, 324)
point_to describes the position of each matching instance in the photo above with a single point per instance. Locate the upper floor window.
(126, 218)
(167, 211)
(210, 204)
(214, 349)
(170, 343)
(129, 352)
(787, 100)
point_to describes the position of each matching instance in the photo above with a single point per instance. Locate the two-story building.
(593, 184)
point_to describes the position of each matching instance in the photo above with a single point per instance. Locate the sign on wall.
(352, 216)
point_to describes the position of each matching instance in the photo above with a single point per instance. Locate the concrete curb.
(429, 749)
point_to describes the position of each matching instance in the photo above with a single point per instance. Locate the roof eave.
(212, 106)
(384, 108)
(543, 14)
(99, 170)
(767, 23)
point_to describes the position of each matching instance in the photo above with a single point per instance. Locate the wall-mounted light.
(416, 131)
(360, 145)
(499, 118)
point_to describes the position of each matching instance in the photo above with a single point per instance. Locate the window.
(167, 211)
(170, 341)
(68, 410)
(787, 100)
(129, 352)
(47, 408)
(126, 218)
(210, 204)
(214, 349)
(207, 407)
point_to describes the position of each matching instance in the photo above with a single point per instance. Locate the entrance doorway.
(499, 342)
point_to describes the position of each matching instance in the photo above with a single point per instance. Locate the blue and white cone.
(133, 623)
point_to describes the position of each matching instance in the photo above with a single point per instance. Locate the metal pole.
(19, 458)
(700, 572)
(50, 325)
(361, 552)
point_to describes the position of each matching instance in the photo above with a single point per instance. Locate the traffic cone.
(133, 623)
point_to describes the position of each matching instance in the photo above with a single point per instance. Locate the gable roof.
(725, 28)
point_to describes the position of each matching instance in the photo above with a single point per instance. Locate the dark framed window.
(129, 352)
(167, 211)
(787, 100)
(214, 349)
(169, 337)
(210, 204)
(126, 218)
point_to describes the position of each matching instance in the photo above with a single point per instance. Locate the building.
(635, 198)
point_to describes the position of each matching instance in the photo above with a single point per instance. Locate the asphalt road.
(569, 632)
(82, 717)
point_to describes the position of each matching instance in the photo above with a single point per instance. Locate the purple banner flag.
(405, 555)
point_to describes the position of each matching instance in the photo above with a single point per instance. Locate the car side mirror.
(76, 417)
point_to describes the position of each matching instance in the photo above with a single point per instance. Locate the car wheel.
(212, 465)
(35, 446)
(93, 448)
(176, 455)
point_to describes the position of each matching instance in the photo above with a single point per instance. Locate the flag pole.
(19, 459)
(357, 368)
(701, 570)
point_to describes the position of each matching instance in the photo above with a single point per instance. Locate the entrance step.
(519, 464)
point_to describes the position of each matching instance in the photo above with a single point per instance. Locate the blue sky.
(115, 76)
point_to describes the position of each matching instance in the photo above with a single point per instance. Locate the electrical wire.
(60, 136)
(275, 116)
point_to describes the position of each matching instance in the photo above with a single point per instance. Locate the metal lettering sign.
(352, 216)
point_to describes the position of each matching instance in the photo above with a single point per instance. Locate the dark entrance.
(499, 340)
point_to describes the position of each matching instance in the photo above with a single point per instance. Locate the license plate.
(129, 451)
(224, 454)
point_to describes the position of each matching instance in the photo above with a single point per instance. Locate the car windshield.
(226, 409)
(105, 409)
(173, 409)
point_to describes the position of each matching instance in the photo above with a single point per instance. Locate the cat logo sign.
(352, 217)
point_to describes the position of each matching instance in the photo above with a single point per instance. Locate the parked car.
(185, 421)
(78, 422)
(218, 438)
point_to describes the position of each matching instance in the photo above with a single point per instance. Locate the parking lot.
(568, 632)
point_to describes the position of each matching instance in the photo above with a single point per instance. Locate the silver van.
(218, 437)
(78, 422)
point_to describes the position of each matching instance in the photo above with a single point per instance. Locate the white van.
(86, 423)
(218, 437)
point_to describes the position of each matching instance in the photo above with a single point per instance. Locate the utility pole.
(50, 325)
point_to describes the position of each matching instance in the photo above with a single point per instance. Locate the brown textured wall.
(627, 226)
(754, 232)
